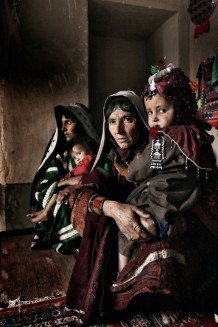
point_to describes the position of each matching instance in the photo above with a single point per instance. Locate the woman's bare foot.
(170, 313)
(38, 216)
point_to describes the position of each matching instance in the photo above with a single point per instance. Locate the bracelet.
(90, 203)
(101, 205)
(96, 203)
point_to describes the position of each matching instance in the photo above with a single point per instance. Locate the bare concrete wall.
(171, 39)
(116, 64)
(44, 63)
(164, 42)
(50, 68)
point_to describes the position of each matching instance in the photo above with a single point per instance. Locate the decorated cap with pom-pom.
(173, 84)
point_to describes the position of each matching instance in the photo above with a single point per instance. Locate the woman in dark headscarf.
(124, 134)
(56, 230)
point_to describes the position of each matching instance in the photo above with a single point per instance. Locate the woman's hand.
(127, 219)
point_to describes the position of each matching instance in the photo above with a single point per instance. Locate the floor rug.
(190, 320)
(50, 311)
(44, 267)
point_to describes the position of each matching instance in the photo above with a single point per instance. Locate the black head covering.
(139, 107)
(82, 114)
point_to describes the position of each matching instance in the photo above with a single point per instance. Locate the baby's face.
(78, 153)
(159, 110)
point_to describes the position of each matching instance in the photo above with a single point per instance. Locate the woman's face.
(123, 127)
(159, 110)
(68, 127)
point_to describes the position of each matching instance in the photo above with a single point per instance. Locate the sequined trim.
(154, 256)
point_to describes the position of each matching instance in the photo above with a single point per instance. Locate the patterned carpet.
(16, 258)
(50, 311)
(39, 312)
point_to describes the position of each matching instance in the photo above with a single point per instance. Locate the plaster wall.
(50, 68)
(158, 4)
(171, 40)
(45, 63)
(115, 64)
(164, 42)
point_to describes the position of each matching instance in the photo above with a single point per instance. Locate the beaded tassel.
(206, 175)
(157, 153)
(186, 163)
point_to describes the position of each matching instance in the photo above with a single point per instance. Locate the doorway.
(120, 48)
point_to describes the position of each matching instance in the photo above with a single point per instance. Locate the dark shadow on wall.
(17, 206)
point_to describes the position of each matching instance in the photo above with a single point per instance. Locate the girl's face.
(78, 153)
(159, 110)
(68, 127)
(123, 127)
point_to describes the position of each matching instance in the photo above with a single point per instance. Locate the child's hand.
(66, 177)
(64, 194)
(149, 225)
